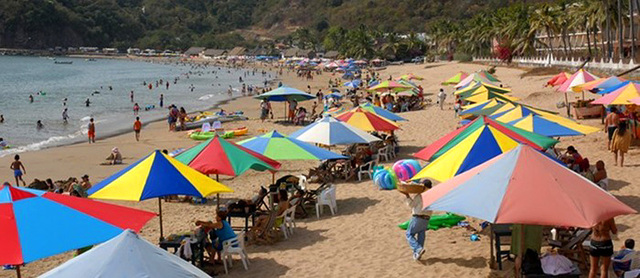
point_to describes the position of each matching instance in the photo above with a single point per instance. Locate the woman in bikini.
(602, 247)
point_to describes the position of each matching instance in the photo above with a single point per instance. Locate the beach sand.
(362, 239)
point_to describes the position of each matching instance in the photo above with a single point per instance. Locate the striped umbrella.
(285, 94)
(488, 76)
(487, 95)
(619, 95)
(280, 147)
(409, 76)
(599, 84)
(221, 157)
(473, 144)
(550, 128)
(382, 112)
(37, 224)
(509, 189)
(367, 121)
(156, 175)
(329, 131)
(578, 78)
(389, 85)
(456, 78)
(471, 78)
(480, 87)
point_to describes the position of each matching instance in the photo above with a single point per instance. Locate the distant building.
(237, 51)
(89, 49)
(295, 52)
(108, 50)
(133, 51)
(149, 52)
(214, 53)
(331, 54)
(194, 51)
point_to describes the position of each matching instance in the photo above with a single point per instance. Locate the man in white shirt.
(441, 97)
(417, 230)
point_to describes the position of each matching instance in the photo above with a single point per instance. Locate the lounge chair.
(573, 249)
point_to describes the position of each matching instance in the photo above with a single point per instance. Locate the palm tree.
(543, 18)
(632, 30)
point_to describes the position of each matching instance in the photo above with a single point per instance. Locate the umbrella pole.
(160, 215)
(217, 195)
(491, 239)
(566, 100)
(520, 252)
(18, 271)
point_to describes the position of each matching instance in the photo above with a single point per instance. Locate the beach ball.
(405, 169)
(385, 179)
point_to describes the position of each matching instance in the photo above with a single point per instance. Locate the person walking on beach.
(92, 131)
(419, 223)
(620, 142)
(137, 127)
(601, 247)
(441, 97)
(161, 100)
(16, 166)
(65, 116)
(611, 124)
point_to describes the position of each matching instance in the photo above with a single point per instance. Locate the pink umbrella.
(523, 186)
(578, 78)
(635, 100)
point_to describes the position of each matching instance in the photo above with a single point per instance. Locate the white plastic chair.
(234, 246)
(283, 226)
(327, 197)
(290, 218)
(206, 127)
(391, 149)
(366, 169)
(383, 153)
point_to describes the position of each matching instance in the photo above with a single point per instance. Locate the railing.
(550, 60)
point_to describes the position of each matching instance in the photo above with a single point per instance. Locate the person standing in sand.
(419, 223)
(601, 247)
(91, 131)
(137, 127)
(620, 142)
(16, 166)
(441, 97)
(610, 124)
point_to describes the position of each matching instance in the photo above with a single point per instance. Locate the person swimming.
(39, 124)
(87, 102)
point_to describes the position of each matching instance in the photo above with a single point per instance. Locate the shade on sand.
(37, 224)
(126, 255)
(523, 186)
(548, 127)
(280, 147)
(578, 78)
(619, 95)
(473, 144)
(366, 120)
(217, 156)
(329, 131)
(456, 78)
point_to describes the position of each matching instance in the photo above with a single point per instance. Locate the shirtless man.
(602, 247)
(16, 165)
(92, 131)
(610, 124)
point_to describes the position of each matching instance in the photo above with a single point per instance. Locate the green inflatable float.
(436, 222)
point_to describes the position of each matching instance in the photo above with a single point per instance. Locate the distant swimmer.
(131, 95)
(39, 124)
(136, 108)
(87, 102)
(65, 116)
(110, 88)
(64, 102)
(30, 98)
(161, 100)
(1, 119)
(167, 85)
(150, 86)
(240, 79)
(3, 144)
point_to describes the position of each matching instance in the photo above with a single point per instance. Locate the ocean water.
(111, 109)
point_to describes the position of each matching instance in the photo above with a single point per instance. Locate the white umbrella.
(330, 131)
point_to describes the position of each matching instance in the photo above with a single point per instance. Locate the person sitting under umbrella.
(222, 231)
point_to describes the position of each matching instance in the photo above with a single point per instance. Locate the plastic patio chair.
(366, 169)
(234, 246)
(383, 154)
(327, 197)
(290, 218)
(206, 127)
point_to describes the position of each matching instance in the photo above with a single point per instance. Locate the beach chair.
(290, 218)
(231, 247)
(383, 154)
(366, 169)
(327, 197)
(206, 127)
(574, 249)
(630, 261)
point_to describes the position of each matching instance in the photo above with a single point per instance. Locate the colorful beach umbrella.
(487, 95)
(217, 156)
(329, 131)
(389, 85)
(367, 121)
(550, 128)
(353, 83)
(473, 144)
(280, 147)
(285, 94)
(578, 78)
(126, 255)
(599, 84)
(510, 188)
(333, 95)
(558, 79)
(619, 95)
(471, 78)
(480, 87)
(409, 76)
(382, 112)
(488, 76)
(456, 78)
(37, 224)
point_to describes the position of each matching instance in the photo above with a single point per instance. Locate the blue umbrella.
(285, 94)
(333, 95)
(348, 75)
(353, 83)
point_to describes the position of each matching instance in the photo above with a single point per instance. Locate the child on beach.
(136, 108)
(137, 126)
(92, 131)
(16, 165)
